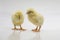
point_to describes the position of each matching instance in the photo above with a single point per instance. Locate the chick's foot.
(34, 30)
(22, 29)
(15, 29)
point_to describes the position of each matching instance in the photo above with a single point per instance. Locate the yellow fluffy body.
(35, 18)
(17, 18)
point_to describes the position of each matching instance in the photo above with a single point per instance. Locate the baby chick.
(18, 20)
(35, 18)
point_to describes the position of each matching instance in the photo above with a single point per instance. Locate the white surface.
(8, 34)
(50, 9)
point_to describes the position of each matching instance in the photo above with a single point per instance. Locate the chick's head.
(30, 12)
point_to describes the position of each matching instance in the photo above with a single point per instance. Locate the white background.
(50, 9)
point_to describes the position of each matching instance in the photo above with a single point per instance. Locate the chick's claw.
(22, 29)
(15, 29)
(34, 30)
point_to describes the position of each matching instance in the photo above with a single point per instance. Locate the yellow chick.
(18, 19)
(35, 18)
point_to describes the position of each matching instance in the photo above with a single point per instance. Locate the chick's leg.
(39, 28)
(35, 29)
(14, 28)
(22, 28)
